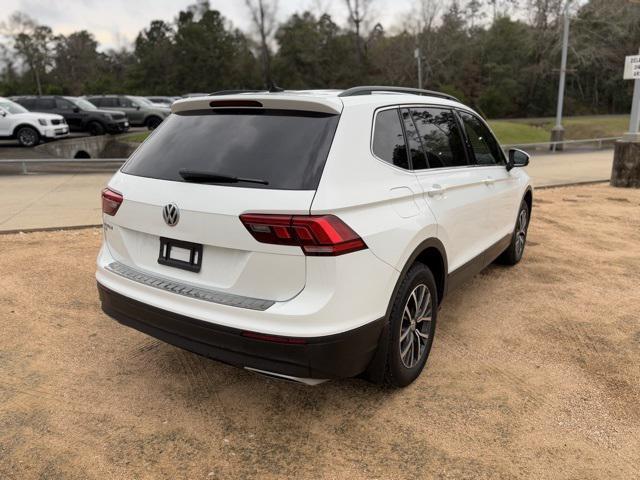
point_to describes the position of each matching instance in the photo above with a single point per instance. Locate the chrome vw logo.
(171, 214)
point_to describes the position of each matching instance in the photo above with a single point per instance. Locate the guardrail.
(554, 146)
(59, 165)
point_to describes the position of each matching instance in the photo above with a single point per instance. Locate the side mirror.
(3, 112)
(517, 158)
(76, 109)
(137, 107)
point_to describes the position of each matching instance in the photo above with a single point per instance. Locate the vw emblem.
(171, 214)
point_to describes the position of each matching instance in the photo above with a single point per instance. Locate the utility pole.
(557, 133)
(418, 57)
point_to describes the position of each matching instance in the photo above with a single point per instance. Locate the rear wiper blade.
(197, 176)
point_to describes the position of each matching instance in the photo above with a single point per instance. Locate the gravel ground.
(534, 373)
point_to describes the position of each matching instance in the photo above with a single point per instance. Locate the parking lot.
(533, 373)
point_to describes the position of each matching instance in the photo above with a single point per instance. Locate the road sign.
(632, 67)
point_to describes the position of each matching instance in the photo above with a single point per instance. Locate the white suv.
(309, 235)
(29, 127)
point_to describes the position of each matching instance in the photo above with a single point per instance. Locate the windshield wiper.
(197, 176)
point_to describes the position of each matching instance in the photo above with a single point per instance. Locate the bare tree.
(358, 11)
(31, 42)
(263, 17)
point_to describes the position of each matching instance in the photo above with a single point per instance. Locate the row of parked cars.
(31, 119)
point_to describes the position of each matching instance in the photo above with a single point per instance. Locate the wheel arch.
(432, 253)
(528, 197)
(24, 124)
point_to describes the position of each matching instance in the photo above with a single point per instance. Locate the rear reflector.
(111, 201)
(318, 235)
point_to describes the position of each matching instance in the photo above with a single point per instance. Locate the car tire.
(28, 136)
(515, 250)
(96, 128)
(152, 122)
(415, 309)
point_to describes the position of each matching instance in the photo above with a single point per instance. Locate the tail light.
(111, 201)
(319, 235)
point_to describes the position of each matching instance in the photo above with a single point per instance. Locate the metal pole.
(416, 53)
(557, 134)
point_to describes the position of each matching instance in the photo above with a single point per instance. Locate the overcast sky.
(115, 23)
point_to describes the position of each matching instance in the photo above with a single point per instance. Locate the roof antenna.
(273, 88)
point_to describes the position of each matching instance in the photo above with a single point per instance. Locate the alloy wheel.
(521, 232)
(27, 137)
(415, 330)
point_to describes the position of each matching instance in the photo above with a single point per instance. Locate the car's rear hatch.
(282, 143)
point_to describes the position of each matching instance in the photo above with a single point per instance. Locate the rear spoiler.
(277, 101)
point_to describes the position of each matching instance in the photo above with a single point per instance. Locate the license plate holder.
(180, 254)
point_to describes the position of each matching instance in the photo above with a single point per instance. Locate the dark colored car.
(81, 115)
(140, 111)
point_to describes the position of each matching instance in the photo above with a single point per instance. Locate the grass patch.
(526, 130)
(509, 132)
(137, 137)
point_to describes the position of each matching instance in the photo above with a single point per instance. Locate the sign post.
(626, 158)
(632, 72)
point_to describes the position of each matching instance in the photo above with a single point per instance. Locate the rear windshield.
(287, 149)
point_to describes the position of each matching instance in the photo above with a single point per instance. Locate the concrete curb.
(571, 184)
(48, 229)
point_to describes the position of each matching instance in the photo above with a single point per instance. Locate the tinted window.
(388, 139)
(418, 158)
(110, 102)
(27, 103)
(45, 104)
(63, 104)
(125, 102)
(440, 136)
(484, 145)
(288, 149)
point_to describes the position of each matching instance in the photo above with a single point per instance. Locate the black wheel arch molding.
(375, 370)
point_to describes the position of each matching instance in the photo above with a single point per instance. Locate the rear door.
(453, 187)
(133, 111)
(504, 199)
(286, 149)
(66, 109)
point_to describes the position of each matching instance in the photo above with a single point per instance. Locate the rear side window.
(440, 137)
(287, 149)
(28, 103)
(388, 139)
(484, 145)
(45, 104)
(62, 104)
(418, 158)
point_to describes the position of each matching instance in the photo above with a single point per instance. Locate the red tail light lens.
(319, 235)
(111, 201)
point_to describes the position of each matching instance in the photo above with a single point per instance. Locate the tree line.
(501, 56)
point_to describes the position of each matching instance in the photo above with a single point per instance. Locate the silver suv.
(140, 111)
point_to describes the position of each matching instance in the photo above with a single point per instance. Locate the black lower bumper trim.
(335, 356)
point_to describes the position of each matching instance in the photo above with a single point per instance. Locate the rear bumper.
(335, 356)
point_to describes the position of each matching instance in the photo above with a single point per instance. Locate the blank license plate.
(180, 254)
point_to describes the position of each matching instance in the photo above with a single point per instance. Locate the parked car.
(163, 101)
(309, 235)
(139, 110)
(29, 127)
(80, 115)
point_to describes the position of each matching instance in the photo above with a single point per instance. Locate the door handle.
(436, 190)
(489, 181)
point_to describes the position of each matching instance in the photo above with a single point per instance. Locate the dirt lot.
(535, 373)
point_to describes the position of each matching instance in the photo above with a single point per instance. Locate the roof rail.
(369, 90)
(233, 92)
